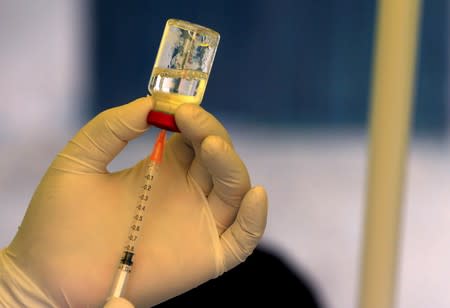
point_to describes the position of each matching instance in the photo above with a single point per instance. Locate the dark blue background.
(283, 62)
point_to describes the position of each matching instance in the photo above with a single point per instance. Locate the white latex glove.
(204, 218)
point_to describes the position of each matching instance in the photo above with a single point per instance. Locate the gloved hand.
(204, 217)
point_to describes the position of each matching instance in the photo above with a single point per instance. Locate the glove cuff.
(16, 288)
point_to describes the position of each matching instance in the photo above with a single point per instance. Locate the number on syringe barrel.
(135, 228)
(149, 177)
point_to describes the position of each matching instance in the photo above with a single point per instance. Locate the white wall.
(43, 86)
(42, 60)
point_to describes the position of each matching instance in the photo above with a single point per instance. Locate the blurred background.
(291, 82)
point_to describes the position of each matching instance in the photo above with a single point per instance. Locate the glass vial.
(182, 67)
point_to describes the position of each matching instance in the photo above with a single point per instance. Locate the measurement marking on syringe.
(143, 202)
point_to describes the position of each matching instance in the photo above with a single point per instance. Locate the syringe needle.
(158, 148)
(126, 262)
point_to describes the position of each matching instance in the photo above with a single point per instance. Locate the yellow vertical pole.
(391, 104)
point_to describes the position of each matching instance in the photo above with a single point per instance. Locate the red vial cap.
(162, 120)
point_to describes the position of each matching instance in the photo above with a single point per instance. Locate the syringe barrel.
(120, 281)
(126, 262)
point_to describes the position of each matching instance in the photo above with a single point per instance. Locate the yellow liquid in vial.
(172, 88)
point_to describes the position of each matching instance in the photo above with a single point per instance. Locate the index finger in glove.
(100, 140)
(195, 125)
(230, 179)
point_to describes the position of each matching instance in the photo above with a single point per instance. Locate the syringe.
(126, 262)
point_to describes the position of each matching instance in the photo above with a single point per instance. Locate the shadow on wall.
(263, 278)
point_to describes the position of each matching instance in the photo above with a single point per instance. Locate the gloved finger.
(100, 140)
(241, 238)
(118, 302)
(195, 125)
(182, 153)
(230, 179)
